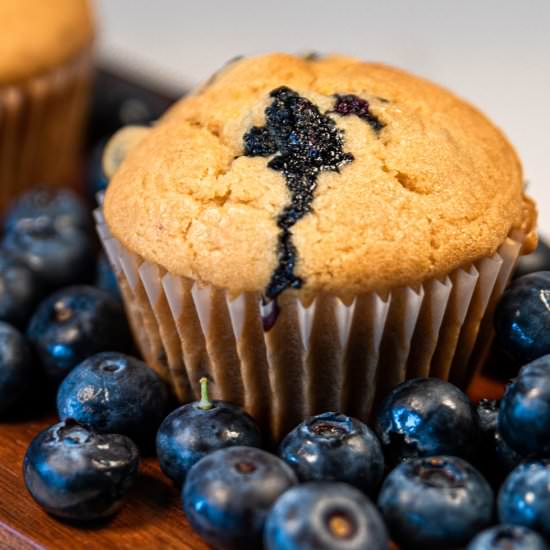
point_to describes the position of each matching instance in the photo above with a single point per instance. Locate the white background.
(496, 53)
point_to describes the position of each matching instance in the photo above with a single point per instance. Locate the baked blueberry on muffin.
(310, 232)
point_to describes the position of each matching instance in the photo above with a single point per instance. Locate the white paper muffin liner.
(41, 127)
(329, 355)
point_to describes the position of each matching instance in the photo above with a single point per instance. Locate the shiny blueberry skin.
(426, 417)
(524, 498)
(16, 366)
(105, 278)
(495, 457)
(228, 494)
(524, 415)
(189, 433)
(539, 260)
(487, 413)
(335, 447)
(63, 207)
(324, 516)
(506, 458)
(60, 256)
(435, 502)
(522, 318)
(76, 474)
(508, 537)
(114, 393)
(75, 323)
(20, 290)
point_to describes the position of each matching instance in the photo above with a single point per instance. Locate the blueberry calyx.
(341, 524)
(71, 433)
(438, 472)
(245, 467)
(62, 312)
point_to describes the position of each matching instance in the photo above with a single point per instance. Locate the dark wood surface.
(151, 518)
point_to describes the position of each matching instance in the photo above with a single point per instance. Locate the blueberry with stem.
(196, 429)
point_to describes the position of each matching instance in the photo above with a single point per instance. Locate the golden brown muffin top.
(407, 181)
(38, 35)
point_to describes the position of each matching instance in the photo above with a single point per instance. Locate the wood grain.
(151, 518)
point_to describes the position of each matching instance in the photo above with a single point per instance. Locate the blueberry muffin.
(309, 232)
(45, 69)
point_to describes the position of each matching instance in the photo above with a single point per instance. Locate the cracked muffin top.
(286, 173)
(38, 35)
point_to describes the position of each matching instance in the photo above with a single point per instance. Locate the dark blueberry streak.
(353, 105)
(305, 142)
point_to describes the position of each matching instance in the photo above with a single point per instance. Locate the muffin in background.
(45, 74)
(308, 233)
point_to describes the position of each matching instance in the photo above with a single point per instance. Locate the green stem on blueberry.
(205, 404)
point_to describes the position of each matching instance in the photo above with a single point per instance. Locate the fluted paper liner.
(41, 127)
(329, 355)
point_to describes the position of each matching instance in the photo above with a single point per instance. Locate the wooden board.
(151, 518)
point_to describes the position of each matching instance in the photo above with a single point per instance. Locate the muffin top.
(38, 35)
(318, 174)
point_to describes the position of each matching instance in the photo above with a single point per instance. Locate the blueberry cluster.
(59, 326)
(434, 471)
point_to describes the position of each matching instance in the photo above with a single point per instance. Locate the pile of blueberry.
(434, 471)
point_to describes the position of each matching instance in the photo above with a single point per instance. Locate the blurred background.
(494, 53)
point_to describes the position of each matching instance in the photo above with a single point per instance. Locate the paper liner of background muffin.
(41, 127)
(327, 356)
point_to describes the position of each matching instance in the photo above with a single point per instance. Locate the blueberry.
(75, 323)
(191, 432)
(76, 474)
(105, 278)
(487, 413)
(426, 417)
(63, 207)
(114, 393)
(228, 494)
(20, 290)
(506, 458)
(335, 447)
(60, 256)
(16, 368)
(435, 502)
(524, 498)
(524, 416)
(522, 318)
(539, 260)
(495, 457)
(324, 516)
(508, 537)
